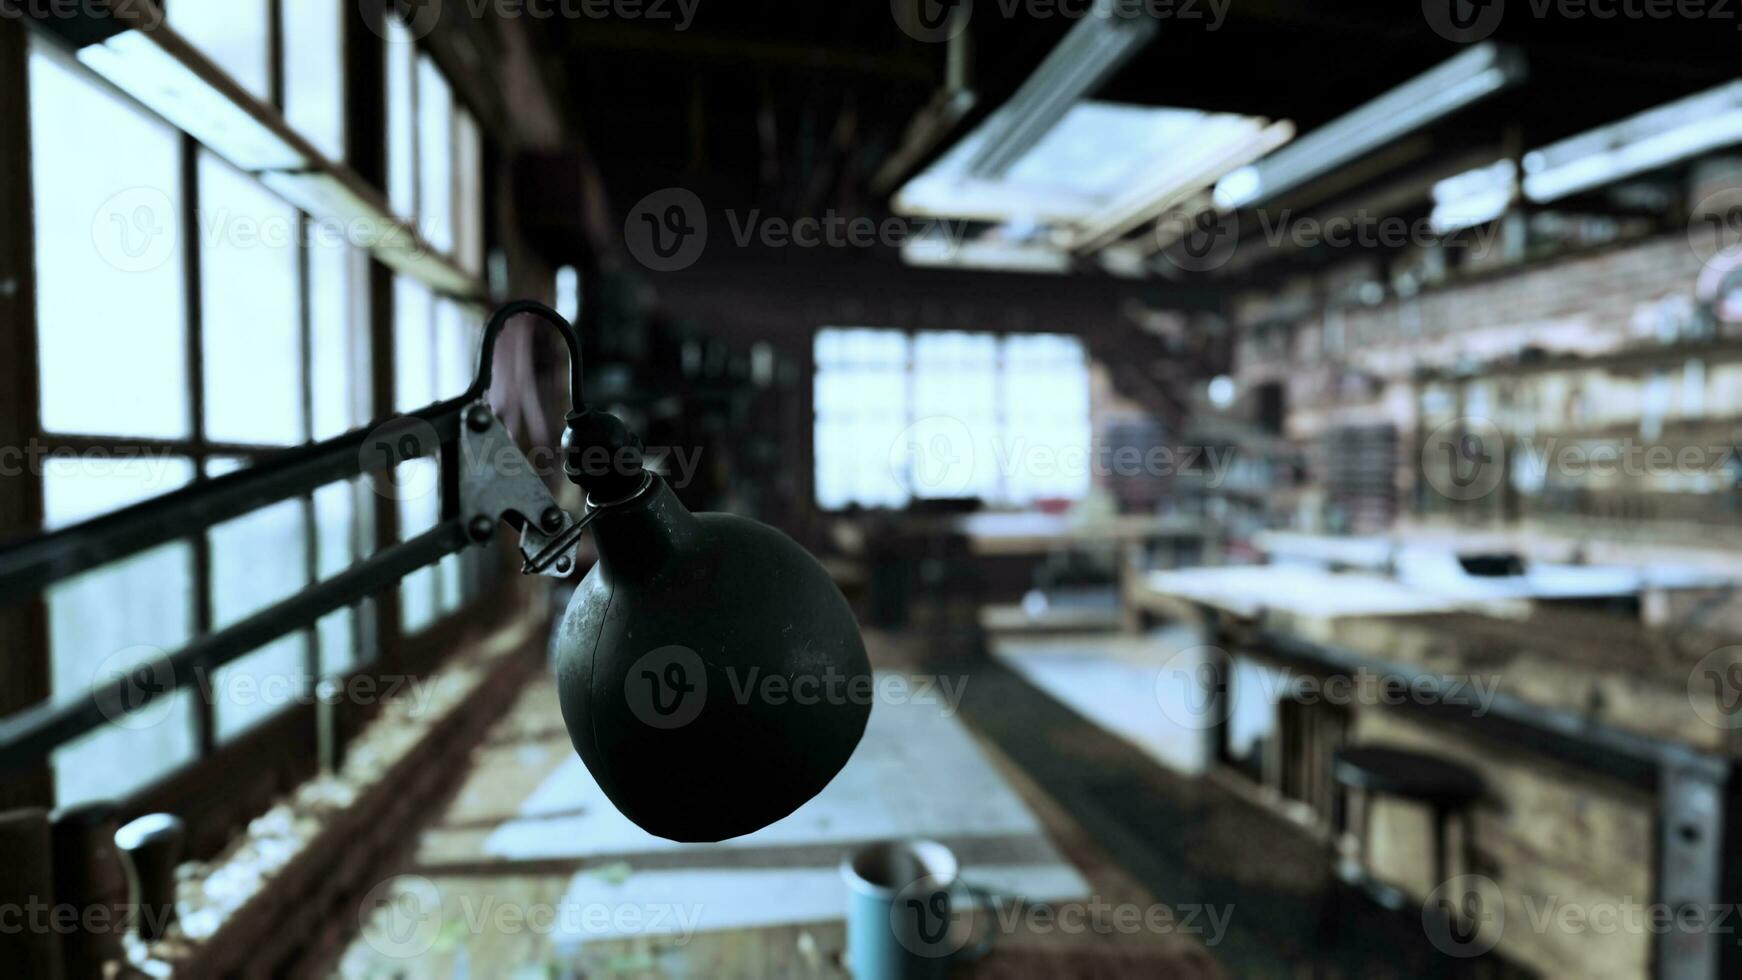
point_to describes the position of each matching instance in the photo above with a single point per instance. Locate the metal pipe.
(28, 737)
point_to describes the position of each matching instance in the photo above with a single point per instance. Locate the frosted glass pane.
(418, 512)
(413, 356)
(230, 32)
(75, 490)
(336, 349)
(314, 73)
(469, 189)
(435, 155)
(456, 350)
(338, 642)
(257, 560)
(261, 684)
(955, 450)
(248, 289)
(335, 528)
(102, 624)
(452, 583)
(110, 309)
(401, 119)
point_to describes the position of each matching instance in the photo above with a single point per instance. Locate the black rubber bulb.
(711, 675)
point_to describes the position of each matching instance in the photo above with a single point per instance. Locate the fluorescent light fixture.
(1435, 94)
(163, 72)
(1653, 139)
(157, 68)
(993, 254)
(1223, 144)
(360, 214)
(1474, 197)
(1093, 49)
(1098, 153)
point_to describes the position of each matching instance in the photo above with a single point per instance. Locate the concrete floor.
(1057, 777)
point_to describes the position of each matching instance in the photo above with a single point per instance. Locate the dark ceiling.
(792, 106)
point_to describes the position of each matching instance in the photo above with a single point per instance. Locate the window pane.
(457, 338)
(248, 295)
(420, 505)
(314, 73)
(337, 539)
(413, 356)
(106, 621)
(469, 187)
(101, 625)
(954, 450)
(258, 560)
(112, 319)
(435, 155)
(338, 350)
(861, 405)
(1046, 413)
(92, 484)
(401, 122)
(230, 32)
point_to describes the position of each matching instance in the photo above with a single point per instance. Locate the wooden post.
(90, 880)
(27, 946)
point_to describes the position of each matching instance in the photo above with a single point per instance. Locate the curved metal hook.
(493, 329)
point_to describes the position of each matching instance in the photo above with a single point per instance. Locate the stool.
(1444, 787)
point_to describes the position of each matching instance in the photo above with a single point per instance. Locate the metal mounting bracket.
(498, 482)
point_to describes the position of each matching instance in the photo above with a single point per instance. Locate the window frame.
(279, 749)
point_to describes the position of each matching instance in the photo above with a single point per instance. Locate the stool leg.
(1366, 831)
(1442, 846)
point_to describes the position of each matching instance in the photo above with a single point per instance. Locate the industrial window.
(314, 72)
(949, 414)
(190, 322)
(233, 33)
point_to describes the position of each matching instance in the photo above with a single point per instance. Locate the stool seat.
(1408, 775)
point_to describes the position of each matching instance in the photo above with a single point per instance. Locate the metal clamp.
(497, 482)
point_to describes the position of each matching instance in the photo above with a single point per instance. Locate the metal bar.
(30, 736)
(30, 566)
(24, 669)
(1565, 737)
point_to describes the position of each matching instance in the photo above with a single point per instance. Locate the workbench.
(1620, 713)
